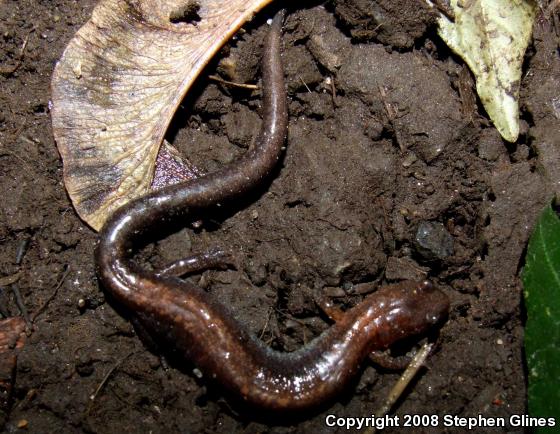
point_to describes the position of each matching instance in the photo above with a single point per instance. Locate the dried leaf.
(491, 36)
(118, 84)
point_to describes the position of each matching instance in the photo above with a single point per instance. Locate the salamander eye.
(432, 318)
(426, 286)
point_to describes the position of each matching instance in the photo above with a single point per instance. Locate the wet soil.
(392, 171)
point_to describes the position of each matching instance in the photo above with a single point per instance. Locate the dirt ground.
(397, 174)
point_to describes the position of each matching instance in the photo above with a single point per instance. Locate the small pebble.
(84, 366)
(333, 292)
(521, 154)
(374, 130)
(323, 53)
(490, 145)
(433, 241)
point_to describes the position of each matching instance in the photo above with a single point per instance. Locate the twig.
(22, 249)
(232, 83)
(305, 84)
(3, 310)
(9, 70)
(410, 372)
(333, 91)
(53, 295)
(266, 323)
(10, 280)
(21, 305)
(391, 112)
(105, 379)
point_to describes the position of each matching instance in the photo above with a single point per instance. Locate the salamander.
(203, 331)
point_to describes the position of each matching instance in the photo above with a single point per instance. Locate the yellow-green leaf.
(491, 36)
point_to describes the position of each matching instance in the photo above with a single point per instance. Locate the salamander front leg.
(327, 306)
(212, 259)
(381, 358)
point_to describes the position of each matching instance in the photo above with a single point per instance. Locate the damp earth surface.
(392, 171)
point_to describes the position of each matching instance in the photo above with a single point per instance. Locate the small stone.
(409, 160)
(333, 292)
(84, 366)
(433, 241)
(323, 53)
(374, 129)
(317, 105)
(521, 153)
(490, 145)
(241, 126)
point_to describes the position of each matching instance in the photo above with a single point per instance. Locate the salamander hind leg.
(329, 309)
(392, 363)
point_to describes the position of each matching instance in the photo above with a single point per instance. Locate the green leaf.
(541, 281)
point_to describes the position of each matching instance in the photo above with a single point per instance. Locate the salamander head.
(412, 308)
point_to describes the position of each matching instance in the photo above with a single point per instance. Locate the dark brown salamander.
(201, 329)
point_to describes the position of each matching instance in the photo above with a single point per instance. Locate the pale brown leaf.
(118, 84)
